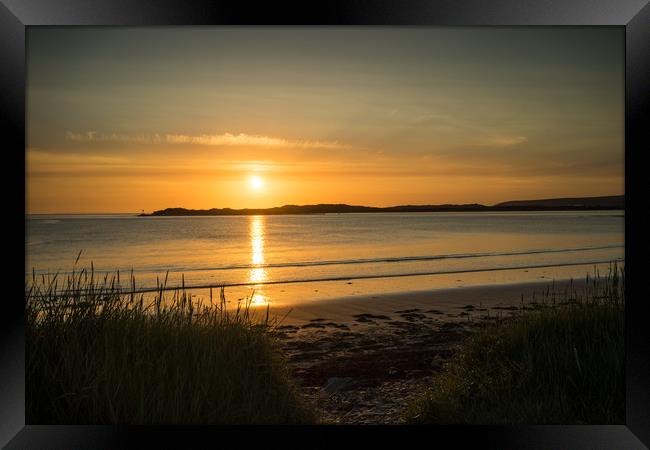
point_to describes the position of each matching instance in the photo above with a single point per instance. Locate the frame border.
(632, 15)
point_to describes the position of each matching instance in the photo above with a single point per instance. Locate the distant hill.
(559, 204)
(612, 201)
(313, 209)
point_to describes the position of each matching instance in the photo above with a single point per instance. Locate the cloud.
(93, 136)
(225, 139)
(507, 141)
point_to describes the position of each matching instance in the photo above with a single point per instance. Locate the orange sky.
(126, 119)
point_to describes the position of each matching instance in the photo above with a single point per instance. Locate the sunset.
(325, 225)
(128, 119)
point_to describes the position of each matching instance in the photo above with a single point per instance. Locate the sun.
(256, 183)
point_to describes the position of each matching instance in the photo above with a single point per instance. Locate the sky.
(131, 119)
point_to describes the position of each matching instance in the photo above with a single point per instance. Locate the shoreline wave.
(359, 261)
(354, 277)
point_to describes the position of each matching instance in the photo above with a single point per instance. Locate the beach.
(361, 359)
(365, 309)
(325, 225)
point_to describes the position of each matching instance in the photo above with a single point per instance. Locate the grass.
(96, 356)
(560, 360)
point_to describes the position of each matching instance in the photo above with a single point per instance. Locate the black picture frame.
(633, 15)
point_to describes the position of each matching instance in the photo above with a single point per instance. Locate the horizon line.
(312, 204)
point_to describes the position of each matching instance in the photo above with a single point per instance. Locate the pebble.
(337, 384)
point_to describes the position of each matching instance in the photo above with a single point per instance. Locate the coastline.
(282, 297)
(613, 202)
(447, 300)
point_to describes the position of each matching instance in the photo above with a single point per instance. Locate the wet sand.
(304, 293)
(436, 305)
(360, 360)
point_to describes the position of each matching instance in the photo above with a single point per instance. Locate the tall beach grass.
(559, 360)
(95, 355)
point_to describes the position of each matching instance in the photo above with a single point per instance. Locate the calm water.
(255, 250)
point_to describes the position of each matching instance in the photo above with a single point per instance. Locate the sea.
(296, 258)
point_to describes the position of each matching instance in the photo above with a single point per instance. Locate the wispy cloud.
(224, 139)
(507, 141)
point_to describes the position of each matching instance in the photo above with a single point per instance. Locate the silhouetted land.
(613, 202)
(557, 204)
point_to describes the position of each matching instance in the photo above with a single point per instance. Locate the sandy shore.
(447, 304)
(362, 359)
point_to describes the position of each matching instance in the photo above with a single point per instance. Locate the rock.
(435, 364)
(338, 384)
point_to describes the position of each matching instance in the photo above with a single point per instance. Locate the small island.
(614, 202)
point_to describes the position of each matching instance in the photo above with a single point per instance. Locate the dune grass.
(97, 356)
(560, 360)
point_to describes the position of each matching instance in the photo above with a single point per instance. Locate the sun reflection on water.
(257, 274)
